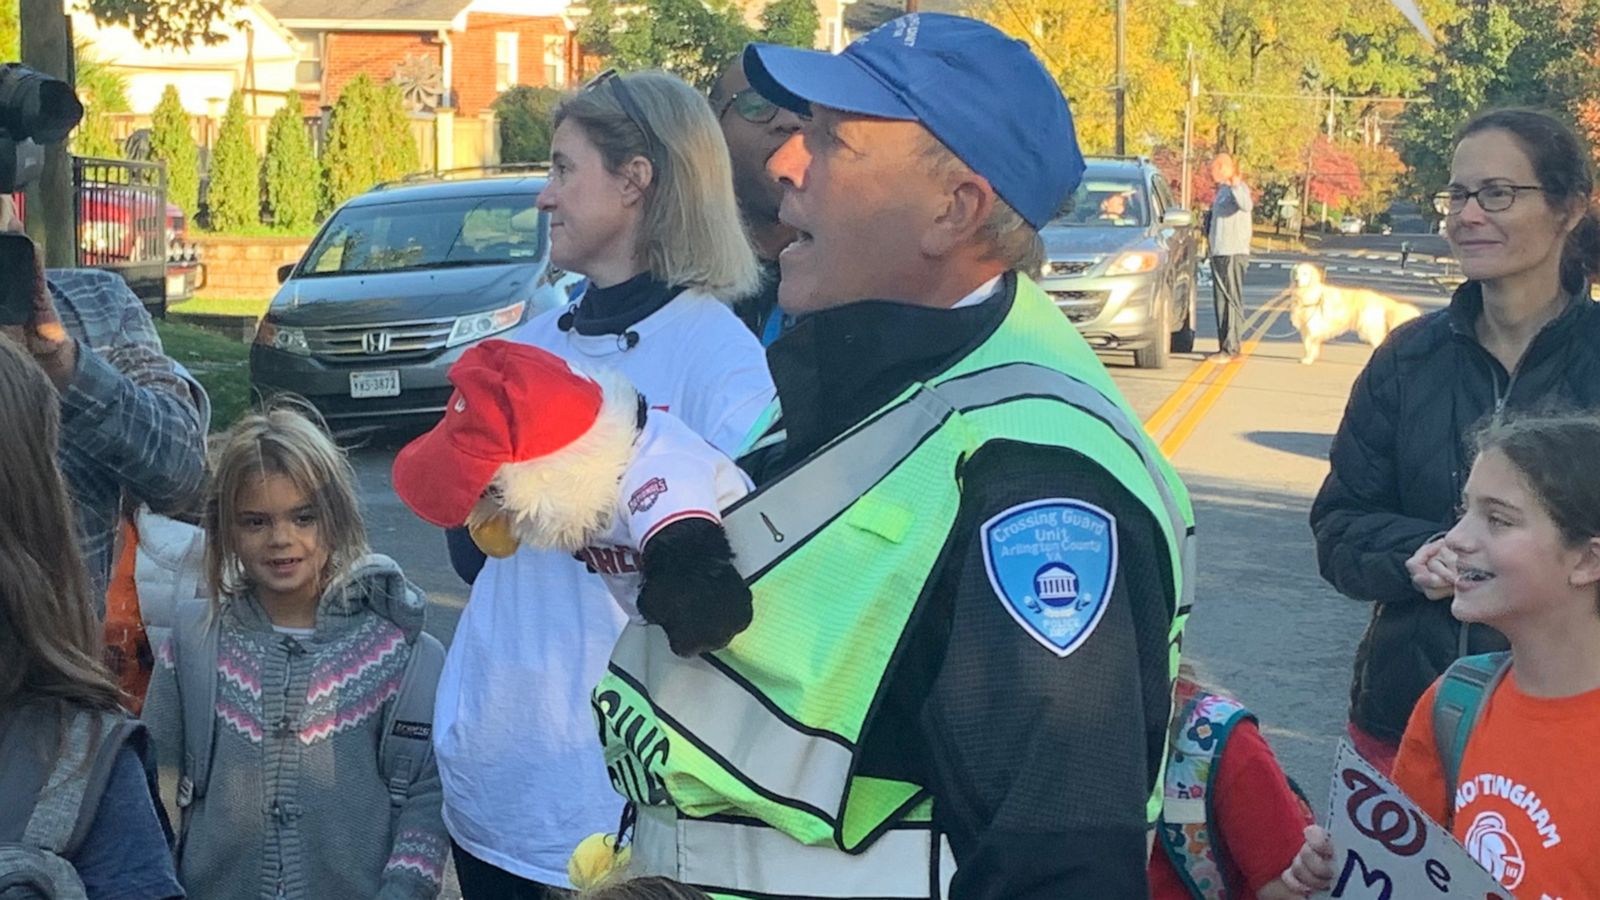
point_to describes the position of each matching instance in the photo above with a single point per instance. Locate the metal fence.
(120, 210)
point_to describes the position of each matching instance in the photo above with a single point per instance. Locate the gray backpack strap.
(53, 777)
(53, 770)
(195, 633)
(1463, 693)
(66, 809)
(407, 741)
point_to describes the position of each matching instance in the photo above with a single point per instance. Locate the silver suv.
(396, 286)
(1121, 262)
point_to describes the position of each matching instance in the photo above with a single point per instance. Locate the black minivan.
(398, 283)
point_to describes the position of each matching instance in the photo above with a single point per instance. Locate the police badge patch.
(1051, 562)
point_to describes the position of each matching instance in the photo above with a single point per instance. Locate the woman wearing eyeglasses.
(640, 200)
(1521, 332)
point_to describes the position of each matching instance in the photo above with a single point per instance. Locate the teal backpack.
(1463, 693)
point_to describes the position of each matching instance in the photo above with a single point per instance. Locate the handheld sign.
(1386, 849)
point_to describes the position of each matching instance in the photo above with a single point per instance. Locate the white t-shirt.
(524, 780)
(675, 475)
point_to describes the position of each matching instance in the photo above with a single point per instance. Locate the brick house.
(452, 54)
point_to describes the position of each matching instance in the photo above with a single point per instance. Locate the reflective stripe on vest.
(739, 859)
(707, 700)
(840, 552)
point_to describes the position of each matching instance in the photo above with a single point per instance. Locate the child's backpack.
(1199, 737)
(1194, 752)
(51, 792)
(407, 741)
(1463, 692)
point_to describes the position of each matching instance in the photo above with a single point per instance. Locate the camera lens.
(34, 105)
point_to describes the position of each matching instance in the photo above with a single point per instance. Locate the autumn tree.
(10, 31)
(1496, 53)
(1265, 69)
(1073, 38)
(1335, 174)
(1380, 168)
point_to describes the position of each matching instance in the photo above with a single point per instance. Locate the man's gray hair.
(1010, 238)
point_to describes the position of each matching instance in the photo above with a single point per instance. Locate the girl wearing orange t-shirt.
(1526, 561)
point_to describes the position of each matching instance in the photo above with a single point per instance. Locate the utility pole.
(912, 5)
(1188, 127)
(1122, 78)
(1332, 99)
(52, 216)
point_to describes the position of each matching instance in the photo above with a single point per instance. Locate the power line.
(1318, 98)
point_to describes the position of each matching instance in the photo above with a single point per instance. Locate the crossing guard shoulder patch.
(1052, 563)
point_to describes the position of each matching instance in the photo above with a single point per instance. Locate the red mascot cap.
(512, 403)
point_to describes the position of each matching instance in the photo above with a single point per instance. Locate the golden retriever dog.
(1323, 311)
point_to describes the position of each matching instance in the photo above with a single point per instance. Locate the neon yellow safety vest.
(743, 762)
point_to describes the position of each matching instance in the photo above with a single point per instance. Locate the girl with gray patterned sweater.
(311, 636)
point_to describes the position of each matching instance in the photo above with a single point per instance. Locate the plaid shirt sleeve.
(129, 420)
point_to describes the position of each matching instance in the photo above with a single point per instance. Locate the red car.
(122, 228)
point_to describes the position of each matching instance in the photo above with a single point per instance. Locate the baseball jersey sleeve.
(667, 484)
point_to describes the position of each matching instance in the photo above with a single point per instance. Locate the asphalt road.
(1250, 439)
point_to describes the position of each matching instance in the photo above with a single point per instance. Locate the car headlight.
(1133, 262)
(482, 325)
(278, 337)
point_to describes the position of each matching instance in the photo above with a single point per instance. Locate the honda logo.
(376, 342)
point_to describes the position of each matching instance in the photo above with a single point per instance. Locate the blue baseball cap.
(982, 94)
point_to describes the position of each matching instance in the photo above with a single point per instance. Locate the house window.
(555, 60)
(505, 60)
(309, 69)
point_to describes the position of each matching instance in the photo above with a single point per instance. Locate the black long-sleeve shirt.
(1040, 766)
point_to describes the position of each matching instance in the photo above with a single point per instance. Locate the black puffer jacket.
(1398, 465)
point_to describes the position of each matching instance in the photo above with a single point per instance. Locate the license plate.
(177, 287)
(375, 384)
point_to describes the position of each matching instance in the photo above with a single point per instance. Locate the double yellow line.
(1214, 378)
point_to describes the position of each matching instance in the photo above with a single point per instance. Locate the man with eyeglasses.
(755, 128)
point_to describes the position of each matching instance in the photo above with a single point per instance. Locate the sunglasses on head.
(619, 89)
(751, 107)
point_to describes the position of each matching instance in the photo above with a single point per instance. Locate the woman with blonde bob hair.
(660, 144)
(640, 200)
(61, 722)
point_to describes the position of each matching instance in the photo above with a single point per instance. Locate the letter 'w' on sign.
(1386, 849)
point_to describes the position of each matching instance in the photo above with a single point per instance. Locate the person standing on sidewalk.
(1229, 241)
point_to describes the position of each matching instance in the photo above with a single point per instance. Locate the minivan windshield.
(1106, 203)
(430, 234)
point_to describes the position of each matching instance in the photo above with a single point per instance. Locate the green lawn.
(222, 306)
(220, 363)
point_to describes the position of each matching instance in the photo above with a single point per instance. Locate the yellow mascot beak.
(596, 860)
(494, 537)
